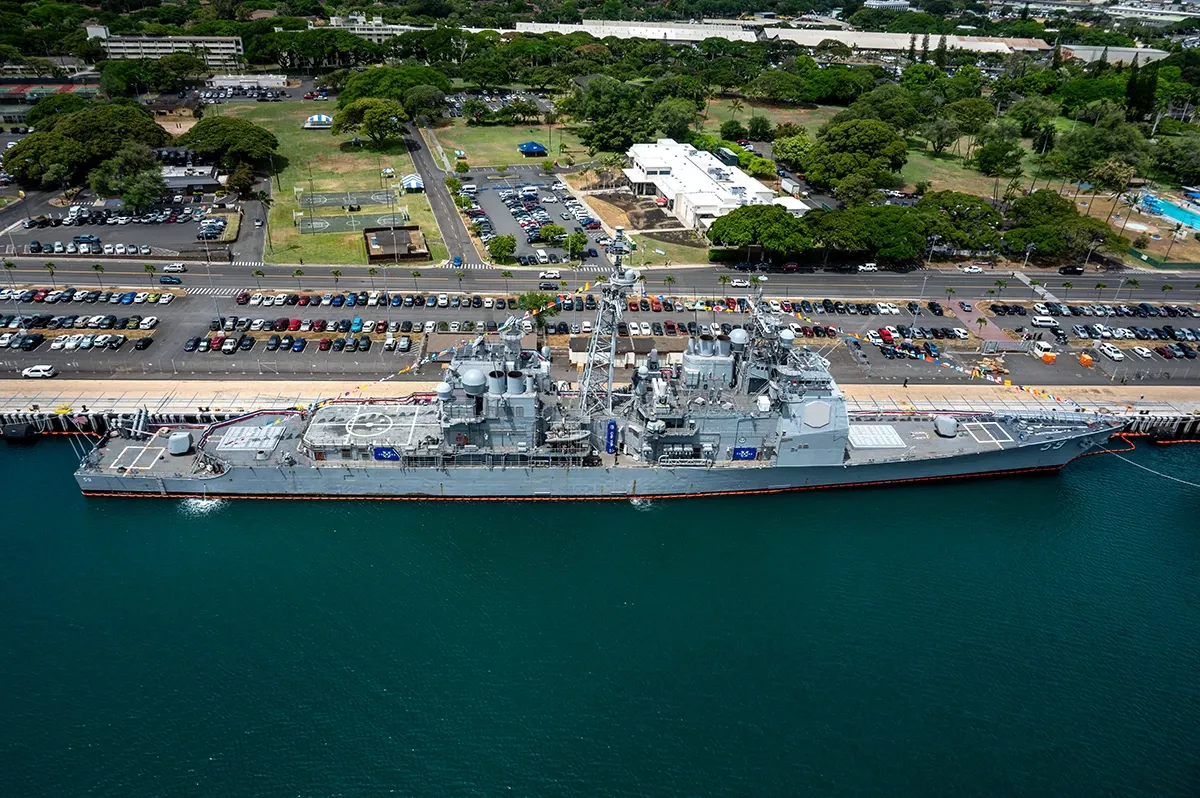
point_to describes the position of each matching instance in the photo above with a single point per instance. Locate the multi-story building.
(217, 52)
(696, 187)
(373, 29)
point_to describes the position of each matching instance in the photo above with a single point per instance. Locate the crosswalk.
(587, 267)
(212, 291)
(255, 263)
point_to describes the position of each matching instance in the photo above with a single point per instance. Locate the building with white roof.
(373, 29)
(657, 31)
(697, 187)
(792, 205)
(872, 41)
(217, 52)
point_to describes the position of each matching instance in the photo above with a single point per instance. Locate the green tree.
(862, 146)
(1032, 113)
(759, 129)
(1067, 286)
(506, 275)
(424, 102)
(258, 274)
(415, 275)
(297, 274)
(8, 269)
(50, 267)
(502, 248)
(575, 244)
(372, 272)
(99, 270)
(337, 275)
(391, 83)
(46, 111)
(733, 130)
(543, 303)
(231, 140)
(999, 150)
(453, 185)
(377, 119)
(791, 149)
(941, 133)
(241, 180)
(149, 270)
(854, 190)
(723, 280)
(462, 167)
(675, 116)
(551, 232)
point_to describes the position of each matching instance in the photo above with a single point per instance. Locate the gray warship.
(746, 413)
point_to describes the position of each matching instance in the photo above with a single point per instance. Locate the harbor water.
(1021, 636)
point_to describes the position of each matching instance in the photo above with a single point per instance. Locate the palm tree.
(265, 198)
(8, 267)
(371, 272)
(99, 270)
(1000, 286)
(258, 274)
(337, 274)
(460, 274)
(50, 267)
(949, 293)
(507, 275)
(149, 270)
(415, 274)
(1133, 283)
(297, 273)
(1174, 237)
(723, 280)
(1167, 287)
(981, 322)
(1067, 286)
(755, 281)
(1033, 285)
(668, 281)
(1100, 287)
(736, 106)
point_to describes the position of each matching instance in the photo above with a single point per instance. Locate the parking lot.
(170, 229)
(520, 207)
(495, 99)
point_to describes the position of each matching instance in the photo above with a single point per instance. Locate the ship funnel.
(530, 383)
(652, 360)
(473, 382)
(444, 392)
(516, 382)
(495, 382)
(691, 346)
(706, 345)
(738, 340)
(723, 345)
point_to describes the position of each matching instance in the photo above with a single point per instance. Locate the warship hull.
(612, 481)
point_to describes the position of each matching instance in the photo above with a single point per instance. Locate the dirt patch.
(683, 238)
(176, 127)
(642, 214)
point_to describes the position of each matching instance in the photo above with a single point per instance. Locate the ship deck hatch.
(248, 438)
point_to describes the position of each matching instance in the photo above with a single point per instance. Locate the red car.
(669, 326)
(831, 331)
(731, 303)
(319, 325)
(787, 306)
(308, 95)
(217, 342)
(243, 298)
(324, 344)
(303, 300)
(885, 335)
(280, 325)
(633, 305)
(293, 325)
(791, 267)
(656, 306)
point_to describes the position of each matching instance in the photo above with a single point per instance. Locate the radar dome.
(738, 339)
(474, 382)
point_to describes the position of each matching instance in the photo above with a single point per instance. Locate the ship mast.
(596, 390)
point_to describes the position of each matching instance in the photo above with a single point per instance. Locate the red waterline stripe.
(756, 492)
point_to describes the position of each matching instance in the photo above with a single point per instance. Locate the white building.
(887, 5)
(247, 82)
(217, 52)
(373, 29)
(792, 205)
(670, 32)
(697, 187)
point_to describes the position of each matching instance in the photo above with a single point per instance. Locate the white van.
(544, 258)
(1112, 352)
(1041, 348)
(868, 267)
(469, 188)
(1044, 321)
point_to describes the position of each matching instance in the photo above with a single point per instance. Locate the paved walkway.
(454, 231)
(242, 395)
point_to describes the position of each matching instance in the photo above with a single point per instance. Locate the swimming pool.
(1172, 211)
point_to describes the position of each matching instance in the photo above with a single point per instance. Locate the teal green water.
(1032, 637)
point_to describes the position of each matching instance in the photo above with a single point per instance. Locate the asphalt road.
(454, 231)
(698, 281)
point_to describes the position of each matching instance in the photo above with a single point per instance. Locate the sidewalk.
(1155, 398)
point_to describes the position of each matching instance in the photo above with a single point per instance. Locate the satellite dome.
(474, 382)
(739, 338)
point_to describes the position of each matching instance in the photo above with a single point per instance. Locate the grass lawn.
(949, 172)
(333, 166)
(672, 249)
(496, 145)
(720, 111)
